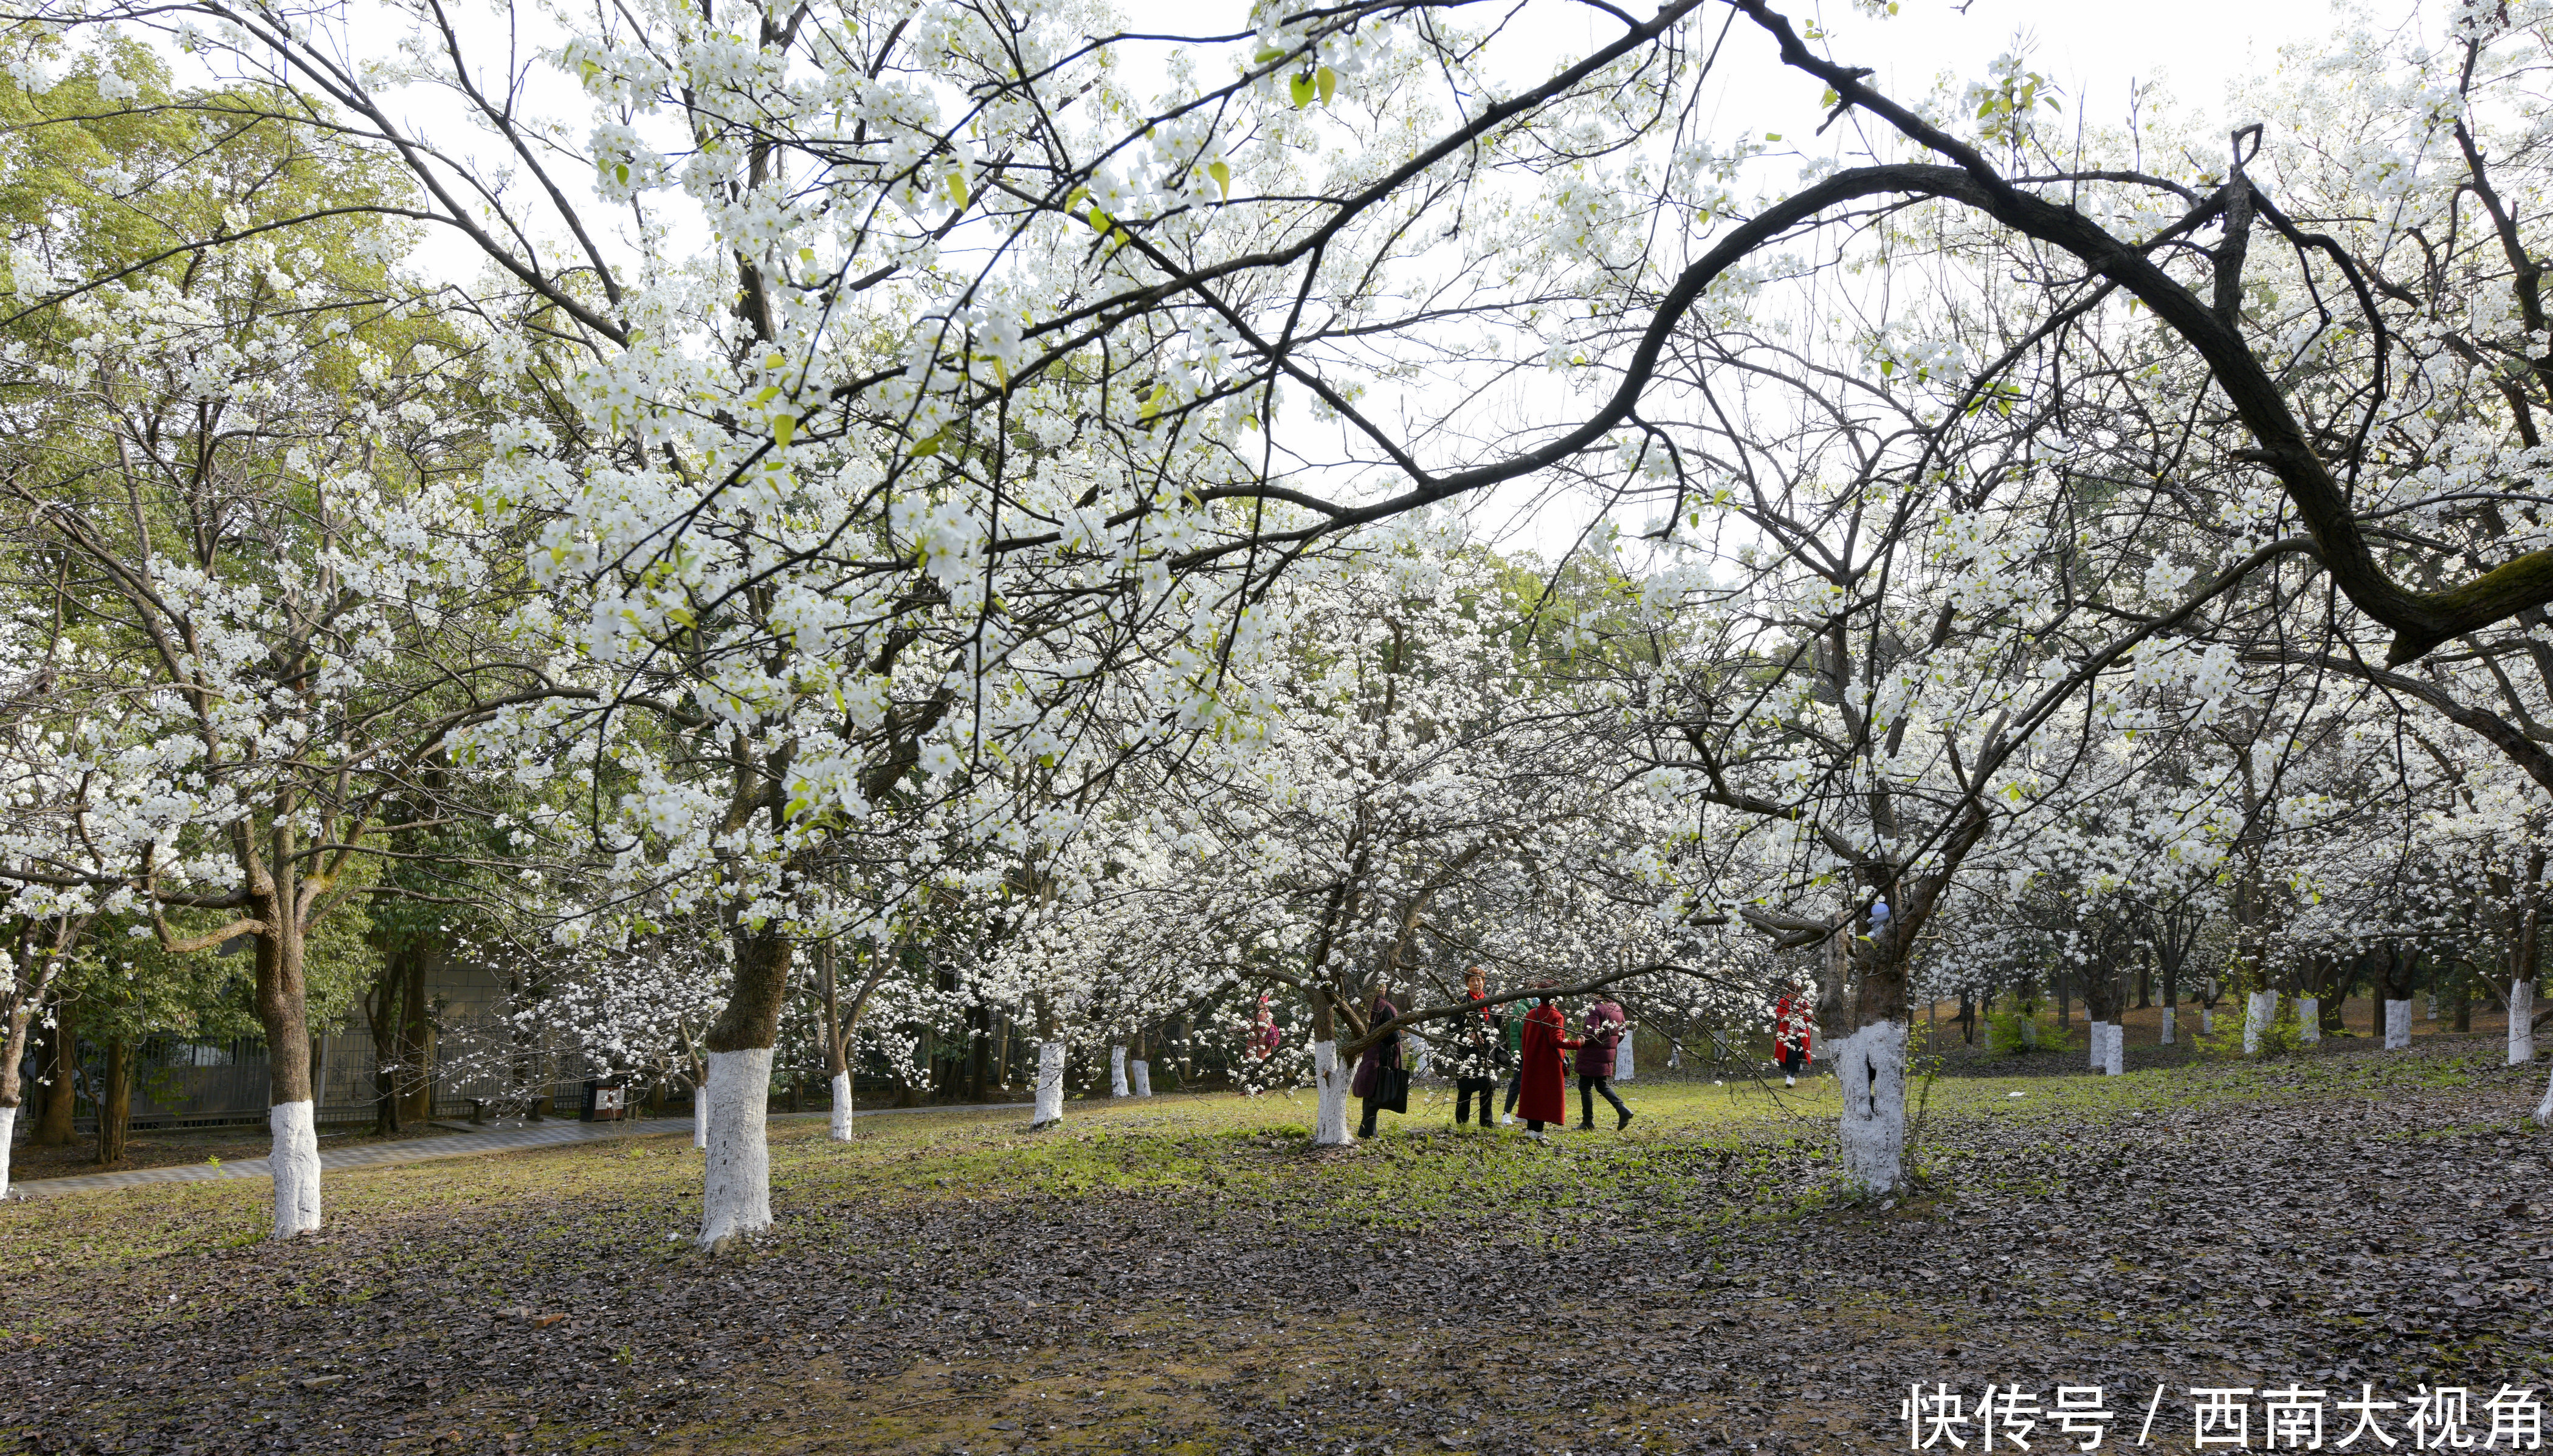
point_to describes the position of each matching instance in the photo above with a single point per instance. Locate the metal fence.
(211, 1084)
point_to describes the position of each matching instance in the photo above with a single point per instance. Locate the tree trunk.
(416, 1046)
(1329, 1079)
(115, 1110)
(838, 1063)
(2260, 1009)
(1049, 1087)
(282, 1008)
(2101, 1011)
(735, 1194)
(2460, 999)
(61, 1064)
(2145, 979)
(1117, 1070)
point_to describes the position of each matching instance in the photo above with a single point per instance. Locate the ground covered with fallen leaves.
(1188, 1275)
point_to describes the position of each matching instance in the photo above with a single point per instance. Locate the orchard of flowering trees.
(821, 525)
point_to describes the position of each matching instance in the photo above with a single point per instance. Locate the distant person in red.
(1264, 1033)
(1543, 1094)
(1795, 1023)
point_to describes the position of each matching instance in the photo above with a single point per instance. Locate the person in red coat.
(1794, 1021)
(1543, 1094)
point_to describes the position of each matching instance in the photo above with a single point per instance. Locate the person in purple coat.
(1604, 1034)
(1367, 1084)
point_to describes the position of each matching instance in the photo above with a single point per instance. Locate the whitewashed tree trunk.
(2521, 1023)
(2116, 1064)
(1421, 1057)
(1117, 1071)
(839, 1128)
(296, 1161)
(1622, 1057)
(1870, 1066)
(2544, 1109)
(2207, 1021)
(2169, 1036)
(8, 1131)
(1138, 1074)
(2433, 1007)
(2309, 1018)
(2261, 1008)
(2030, 1033)
(735, 1186)
(1050, 1085)
(2098, 1034)
(2398, 1025)
(1331, 1125)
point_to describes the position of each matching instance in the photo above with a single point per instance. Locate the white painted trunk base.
(1138, 1075)
(2109, 1048)
(2544, 1109)
(2206, 1021)
(700, 1113)
(2398, 1025)
(2168, 1029)
(296, 1161)
(2261, 1008)
(1050, 1085)
(1870, 1066)
(2433, 1006)
(8, 1131)
(2521, 1023)
(1117, 1071)
(1622, 1057)
(2309, 1018)
(838, 1128)
(1330, 1124)
(735, 1184)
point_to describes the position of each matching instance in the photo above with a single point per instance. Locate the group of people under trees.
(1526, 1048)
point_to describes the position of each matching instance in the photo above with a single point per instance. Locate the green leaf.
(1222, 175)
(925, 449)
(1328, 82)
(1153, 403)
(1301, 89)
(957, 190)
(782, 427)
(1266, 54)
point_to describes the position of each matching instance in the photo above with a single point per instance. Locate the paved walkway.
(466, 1143)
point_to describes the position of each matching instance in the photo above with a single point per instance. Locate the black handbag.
(1391, 1090)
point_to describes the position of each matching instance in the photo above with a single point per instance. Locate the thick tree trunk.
(1870, 1066)
(2309, 1018)
(291, 1116)
(2261, 1008)
(1623, 1067)
(1049, 1085)
(115, 1110)
(2521, 1023)
(2543, 1109)
(735, 1194)
(1117, 1070)
(2398, 1024)
(1329, 1079)
(2169, 1016)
